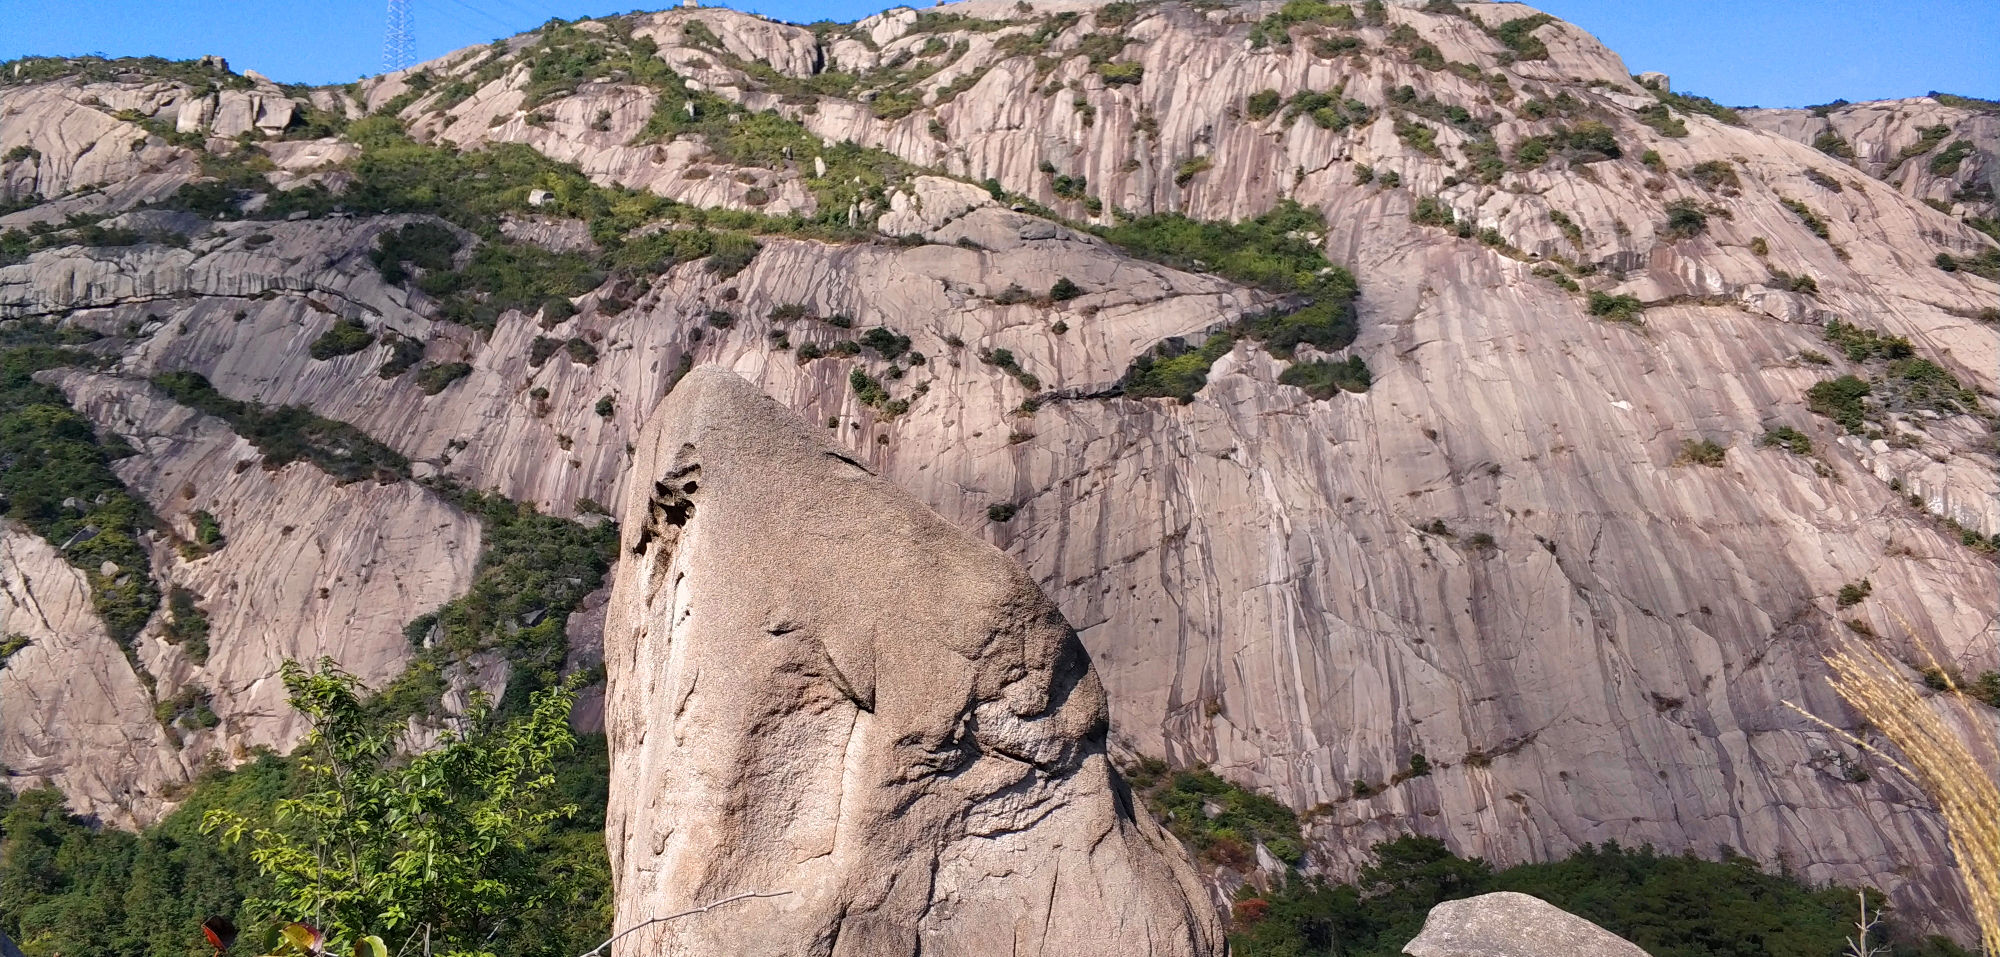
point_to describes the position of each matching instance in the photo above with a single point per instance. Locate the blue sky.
(1761, 52)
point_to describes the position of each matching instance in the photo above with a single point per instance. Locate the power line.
(397, 43)
(538, 17)
(504, 25)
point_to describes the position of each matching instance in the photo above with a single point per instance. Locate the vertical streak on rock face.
(70, 693)
(819, 686)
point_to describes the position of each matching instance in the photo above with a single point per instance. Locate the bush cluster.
(1928, 139)
(1272, 252)
(1841, 400)
(186, 624)
(1685, 220)
(1518, 36)
(344, 337)
(1322, 378)
(290, 433)
(1172, 370)
(1616, 308)
(1833, 145)
(1862, 345)
(1986, 264)
(1229, 834)
(1276, 29)
(426, 245)
(1703, 452)
(1329, 111)
(435, 377)
(1806, 215)
(56, 478)
(1789, 439)
(533, 571)
(1588, 141)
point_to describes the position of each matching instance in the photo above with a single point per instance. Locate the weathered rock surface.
(817, 685)
(74, 712)
(1259, 576)
(308, 568)
(1887, 140)
(1506, 924)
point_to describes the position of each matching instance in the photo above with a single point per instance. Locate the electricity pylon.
(396, 41)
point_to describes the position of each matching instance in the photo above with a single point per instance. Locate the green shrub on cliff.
(1273, 252)
(56, 478)
(1171, 370)
(1222, 822)
(1324, 378)
(345, 337)
(290, 433)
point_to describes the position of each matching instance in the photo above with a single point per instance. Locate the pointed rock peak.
(817, 686)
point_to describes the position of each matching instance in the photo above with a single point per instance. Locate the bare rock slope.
(819, 686)
(1595, 521)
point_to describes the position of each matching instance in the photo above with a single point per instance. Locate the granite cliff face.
(892, 726)
(1514, 554)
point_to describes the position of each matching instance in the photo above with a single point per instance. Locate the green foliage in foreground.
(1672, 906)
(442, 843)
(56, 478)
(68, 886)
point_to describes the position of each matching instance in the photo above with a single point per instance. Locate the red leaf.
(1251, 910)
(220, 932)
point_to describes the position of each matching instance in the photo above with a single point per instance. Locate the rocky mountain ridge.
(1553, 549)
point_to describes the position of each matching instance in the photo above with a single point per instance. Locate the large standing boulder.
(820, 687)
(1506, 924)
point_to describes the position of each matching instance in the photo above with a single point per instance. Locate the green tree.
(441, 845)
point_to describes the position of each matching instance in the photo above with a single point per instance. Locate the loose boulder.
(1506, 924)
(820, 689)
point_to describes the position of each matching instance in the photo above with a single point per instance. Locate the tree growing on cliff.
(438, 847)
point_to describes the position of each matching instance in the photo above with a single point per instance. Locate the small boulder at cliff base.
(1506, 924)
(818, 686)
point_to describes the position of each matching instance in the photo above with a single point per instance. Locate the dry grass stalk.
(1948, 760)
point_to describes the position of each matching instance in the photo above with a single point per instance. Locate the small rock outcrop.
(1506, 924)
(818, 686)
